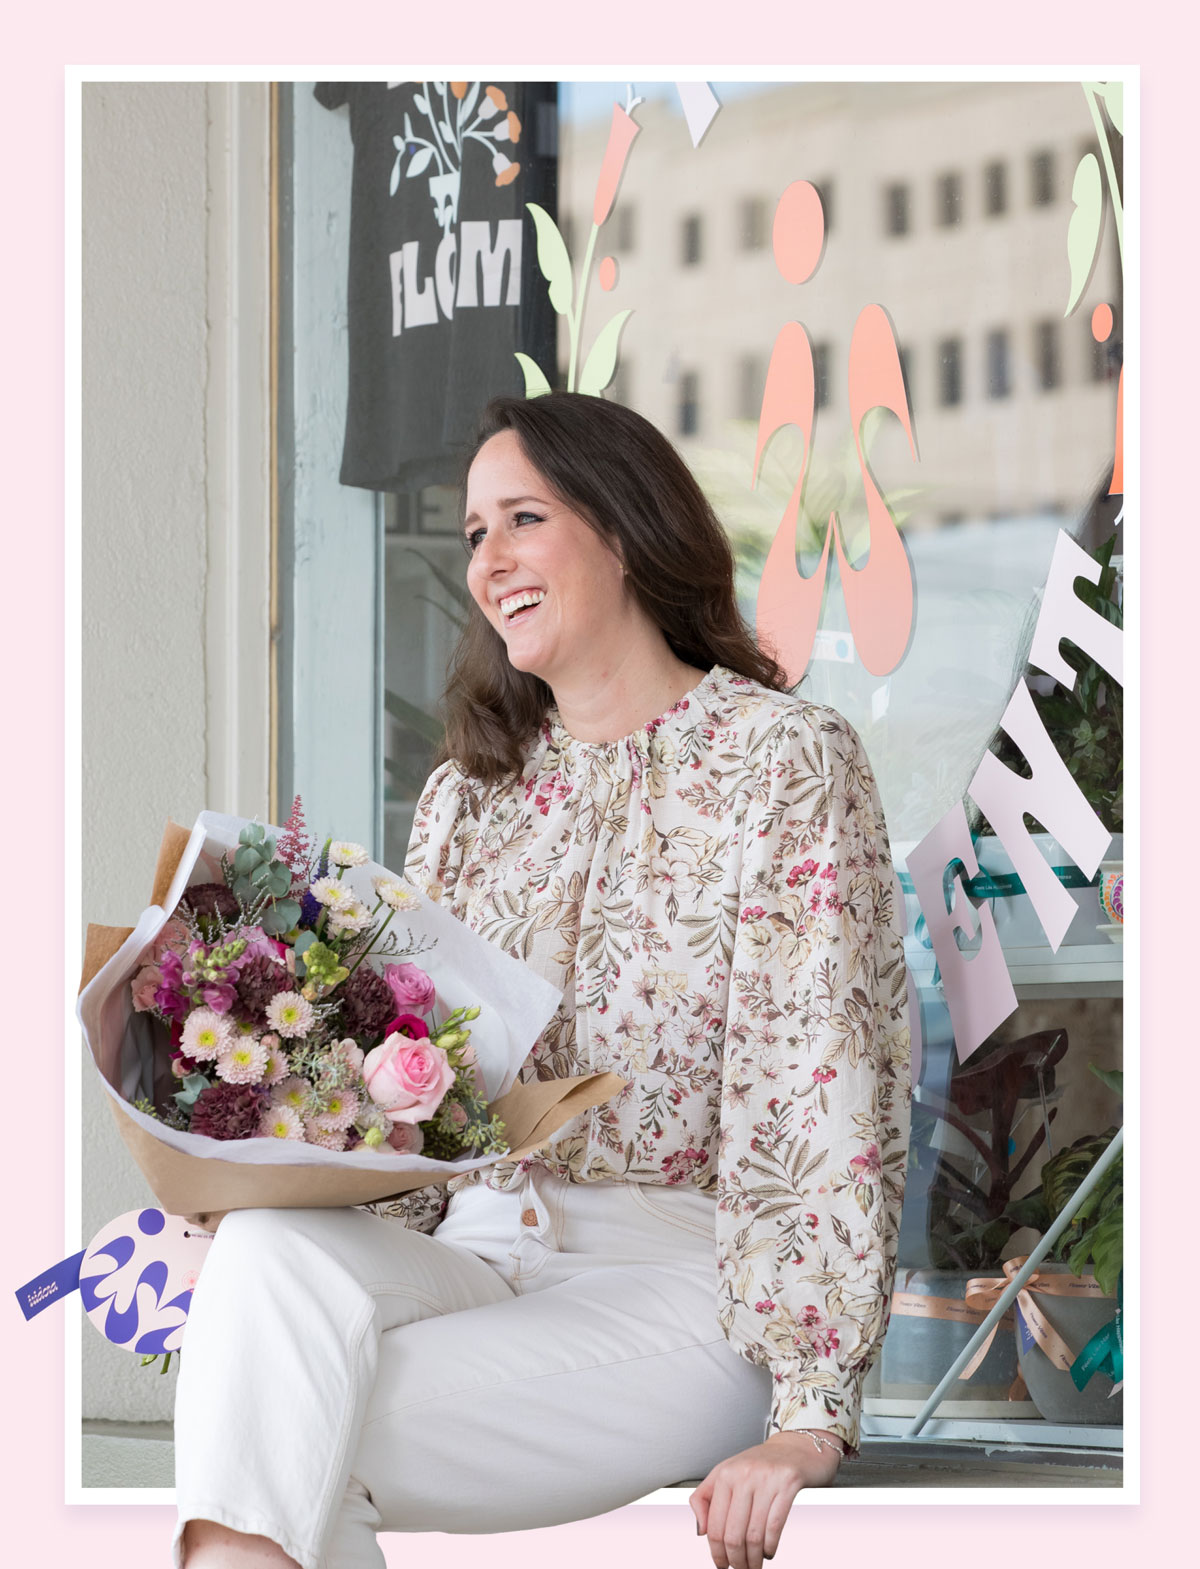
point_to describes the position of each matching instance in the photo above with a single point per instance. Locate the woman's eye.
(471, 540)
(531, 516)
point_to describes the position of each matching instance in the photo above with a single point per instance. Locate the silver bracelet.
(823, 1440)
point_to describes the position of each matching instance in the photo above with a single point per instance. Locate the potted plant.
(1091, 1250)
(968, 1217)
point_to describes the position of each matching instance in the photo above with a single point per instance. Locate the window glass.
(686, 257)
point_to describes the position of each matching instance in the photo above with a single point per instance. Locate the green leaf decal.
(553, 259)
(535, 382)
(602, 361)
(1114, 102)
(1083, 232)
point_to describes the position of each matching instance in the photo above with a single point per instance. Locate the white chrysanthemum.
(290, 1015)
(293, 1092)
(394, 894)
(355, 918)
(282, 1122)
(339, 1108)
(327, 1138)
(206, 1033)
(343, 852)
(277, 1068)
(244, 1062)
(333, 894)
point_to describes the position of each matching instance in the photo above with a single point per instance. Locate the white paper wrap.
(515, 1006)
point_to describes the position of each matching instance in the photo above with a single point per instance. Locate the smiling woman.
(582, 500)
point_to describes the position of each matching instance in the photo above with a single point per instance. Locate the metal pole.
(1009, 1294)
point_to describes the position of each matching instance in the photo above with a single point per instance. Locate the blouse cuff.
(796, 1404)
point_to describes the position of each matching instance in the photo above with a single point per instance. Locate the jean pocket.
(686, 1209)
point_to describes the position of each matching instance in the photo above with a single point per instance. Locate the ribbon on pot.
(1104, 1352)
(984, 1291)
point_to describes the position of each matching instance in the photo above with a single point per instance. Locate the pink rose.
(413, 990)
(407, 1078)
(406, 1139)
(145, 983)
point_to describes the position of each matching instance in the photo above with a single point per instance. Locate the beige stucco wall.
(175, 534)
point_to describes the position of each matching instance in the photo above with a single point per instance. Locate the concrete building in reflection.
(946, 203)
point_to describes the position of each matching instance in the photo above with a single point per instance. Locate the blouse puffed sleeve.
(442, 824)
(815, 1078)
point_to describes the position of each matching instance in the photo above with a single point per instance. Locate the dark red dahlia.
(227, 1111)
(257, 982)
(368, 1003)
(211, 899)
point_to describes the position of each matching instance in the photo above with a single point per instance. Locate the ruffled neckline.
(681, 713)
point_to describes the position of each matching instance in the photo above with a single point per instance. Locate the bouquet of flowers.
(280, 1029)
(267, 1039)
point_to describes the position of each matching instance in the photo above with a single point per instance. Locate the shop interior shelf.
(1076, 970)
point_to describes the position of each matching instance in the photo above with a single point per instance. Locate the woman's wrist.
(818, 1437)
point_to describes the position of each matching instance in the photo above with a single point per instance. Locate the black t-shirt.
(444, 285)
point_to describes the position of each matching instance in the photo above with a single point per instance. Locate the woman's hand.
(743, 1502)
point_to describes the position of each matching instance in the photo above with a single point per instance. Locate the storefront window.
(994, 471)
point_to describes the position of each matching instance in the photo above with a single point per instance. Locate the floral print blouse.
(714, 894)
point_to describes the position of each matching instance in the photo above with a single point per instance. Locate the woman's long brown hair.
(626, 481)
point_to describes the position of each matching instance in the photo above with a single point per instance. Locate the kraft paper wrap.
(210, 1175)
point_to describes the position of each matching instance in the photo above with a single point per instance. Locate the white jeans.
(547, 1354)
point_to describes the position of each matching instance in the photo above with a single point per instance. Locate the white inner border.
(1130, 76)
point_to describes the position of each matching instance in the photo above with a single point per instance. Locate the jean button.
(529, 1217)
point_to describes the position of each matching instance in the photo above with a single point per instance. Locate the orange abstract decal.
(879, 593)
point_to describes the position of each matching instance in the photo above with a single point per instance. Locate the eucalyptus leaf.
(602, 360)
(1083, 231)
(190, 1093)
(553, 259)
(246, 860)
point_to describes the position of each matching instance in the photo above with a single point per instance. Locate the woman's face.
(523, 537)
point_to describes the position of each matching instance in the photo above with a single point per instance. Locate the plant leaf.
(412, 717)
(535, 380)
(419, 162)
(395, 179)
(602, 360)
(1113, 1077)
(553, 259)
(1083, 232)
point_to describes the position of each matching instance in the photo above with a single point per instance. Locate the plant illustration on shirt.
(725, 932)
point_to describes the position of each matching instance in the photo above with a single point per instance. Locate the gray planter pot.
(917, 1351)
(1053, 1391)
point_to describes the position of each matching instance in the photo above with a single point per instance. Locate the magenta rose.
(411, 987)
(407, 1078)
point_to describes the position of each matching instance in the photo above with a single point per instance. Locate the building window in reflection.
(751, 379)
(752, 226)
(995, 189)
(1041, 179)
(999, 379)
(895, 209)
(906, 367)
(691, 236)
(688, 423)
(949, 200)
(950, 357)
(822, 357)
(824, 189)
(1047, 352)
